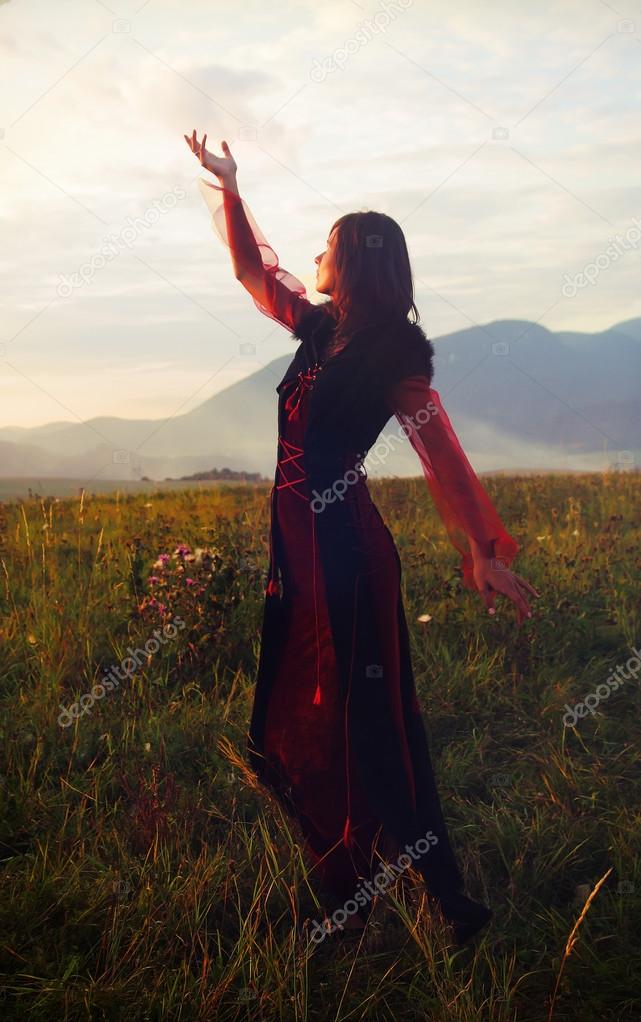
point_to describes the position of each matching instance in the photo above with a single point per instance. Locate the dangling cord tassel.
(317, 694)
(348, 838)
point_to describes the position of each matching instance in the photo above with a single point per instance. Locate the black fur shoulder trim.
(310, 320)
(424, 350)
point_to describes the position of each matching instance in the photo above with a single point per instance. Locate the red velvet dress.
(306, 735)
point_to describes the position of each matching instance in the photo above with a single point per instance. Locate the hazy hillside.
(519, 397)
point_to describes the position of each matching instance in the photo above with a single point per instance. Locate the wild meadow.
(145, 874)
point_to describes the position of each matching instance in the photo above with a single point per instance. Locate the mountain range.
(519, 396)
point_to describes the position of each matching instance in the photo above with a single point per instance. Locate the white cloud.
(103, 139)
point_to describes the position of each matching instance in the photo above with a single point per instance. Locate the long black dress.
(337, 731)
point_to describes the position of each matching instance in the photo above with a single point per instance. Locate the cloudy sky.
(505, 140)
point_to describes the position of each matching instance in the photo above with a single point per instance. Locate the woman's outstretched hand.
(222, 166)
(491, 580)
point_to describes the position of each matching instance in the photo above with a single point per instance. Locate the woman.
(336, 730)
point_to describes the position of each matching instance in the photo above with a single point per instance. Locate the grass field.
(13, 488)
(145, 875)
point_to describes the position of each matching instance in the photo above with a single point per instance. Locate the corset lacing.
(304, 382)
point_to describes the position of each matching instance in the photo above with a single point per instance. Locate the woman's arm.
(276, 293)
(471, 520)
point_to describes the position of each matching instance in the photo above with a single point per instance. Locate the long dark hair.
(373, 278)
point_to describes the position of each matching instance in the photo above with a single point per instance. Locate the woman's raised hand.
(222, 166)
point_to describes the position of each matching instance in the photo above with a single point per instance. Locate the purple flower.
(181, 550)
(190, 581)
(153, 579)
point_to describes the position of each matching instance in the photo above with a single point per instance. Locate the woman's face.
(325, 264)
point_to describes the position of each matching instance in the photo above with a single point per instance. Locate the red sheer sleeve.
(461, 501)
(276, 293)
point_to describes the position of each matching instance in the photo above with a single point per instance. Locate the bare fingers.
(192, 141)
(524, 582)
(516, 594)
